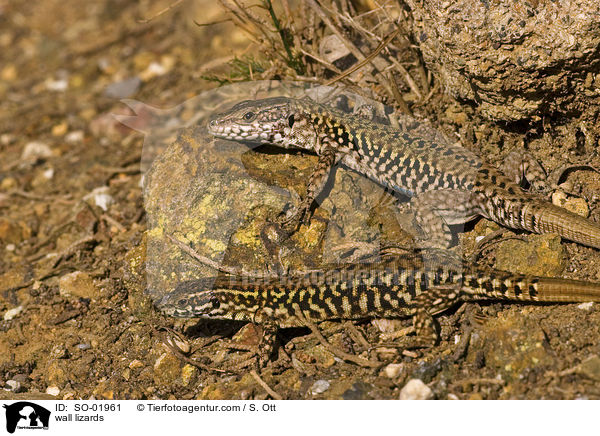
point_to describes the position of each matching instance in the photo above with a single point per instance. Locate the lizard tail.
(509, 287)
(543, 217)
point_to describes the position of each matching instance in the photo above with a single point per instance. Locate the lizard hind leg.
(522, 166)
(429, 303)
(437, 209)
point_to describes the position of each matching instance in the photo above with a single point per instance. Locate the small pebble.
(136, 364)
(12, 313)
(49, 173)
(319, 387)
(585, 306)
(415, 389)
(7, 139)
(59, 352)
(101, 197)
(12, 386)
(11, 247)
(575, 205)
(74, 137)
(53, 390)
(60, 85)
(393, 370)
(84, 346)
(35, 150)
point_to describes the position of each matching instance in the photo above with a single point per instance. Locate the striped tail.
(543, 217)
(509, 287)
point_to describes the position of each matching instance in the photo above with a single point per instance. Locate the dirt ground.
(77, 324)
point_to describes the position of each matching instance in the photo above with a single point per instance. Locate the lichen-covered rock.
(216, 197)
(516, 60)
(539, 255)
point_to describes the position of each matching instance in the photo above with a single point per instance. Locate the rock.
(78, 284)
(575, 205)
(59, 352)
(13, 232)
(55, 372)
(167, 369)
(60, 129)
(512, 344)
(156, 69)
(53, 390)
(101, 197)
(319, 387)
(225, 195)
(316, 355)
(248, 336)
(585, 306)
(12, 386)
(35, 150)
(540, 255)
(393, 370)
(59, 85)
(427, 370)
(12, 313)
(415, 389)
(74, 137)
(134, 364)
(494, 54)
(358, 391)
(188, 373)
(590, 368)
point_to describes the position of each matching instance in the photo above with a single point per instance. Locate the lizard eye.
(249, 116)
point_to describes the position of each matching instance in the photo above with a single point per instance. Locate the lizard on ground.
(447, 185)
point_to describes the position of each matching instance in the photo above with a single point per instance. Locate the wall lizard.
(396, 287)
(447, 184)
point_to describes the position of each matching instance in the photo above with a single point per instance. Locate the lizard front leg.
(435, 210)
(328, 157)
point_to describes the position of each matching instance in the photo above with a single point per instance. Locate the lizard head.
(191, 299)
(268, 121)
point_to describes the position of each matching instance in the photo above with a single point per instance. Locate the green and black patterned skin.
(447, 183)
(398, 287)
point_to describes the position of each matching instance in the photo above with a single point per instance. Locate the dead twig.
(158, 14)
(180, 355)
(366, 60)
(336, 351)
(265, 386)
(111, 221)
(232, 270)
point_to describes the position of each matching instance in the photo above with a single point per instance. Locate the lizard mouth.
(235, 132)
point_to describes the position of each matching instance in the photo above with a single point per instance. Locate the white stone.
(49, 173)
(36, 150)
(319, 387)
(393, 370)
(74, 136)
(415, 389)
(101, 197)
(12, 313)
(53, 390)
